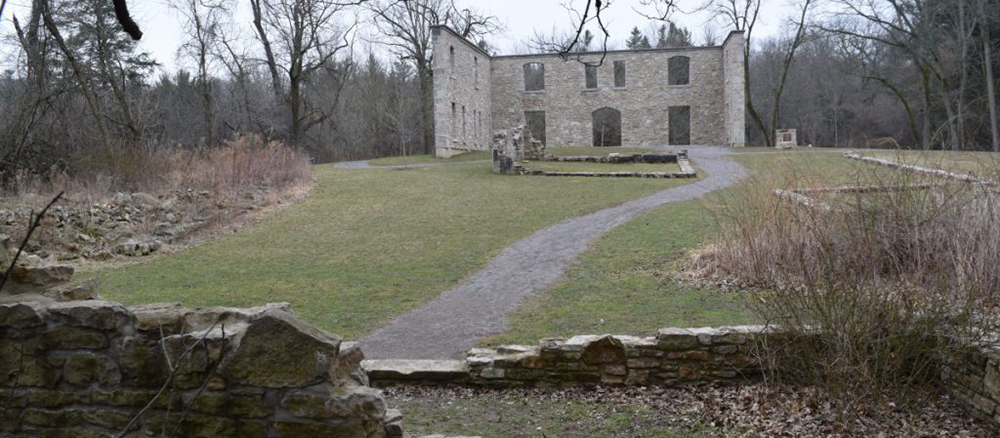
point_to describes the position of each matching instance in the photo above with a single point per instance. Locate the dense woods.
(80, 96)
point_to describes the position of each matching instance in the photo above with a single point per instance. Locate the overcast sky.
(522, 18)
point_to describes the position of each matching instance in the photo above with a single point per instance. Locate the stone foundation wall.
(674, 357)
(974, 381)
(98, 369)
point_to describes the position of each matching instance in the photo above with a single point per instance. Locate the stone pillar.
(734, 89)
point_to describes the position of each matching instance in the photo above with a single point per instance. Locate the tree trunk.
(990, 83)
(206, 88)
(293, 101)
(272, 65)
(925, 130)
(427, 105)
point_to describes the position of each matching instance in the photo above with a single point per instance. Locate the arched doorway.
(607, 127)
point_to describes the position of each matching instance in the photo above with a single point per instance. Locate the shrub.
(246, 162)
(874, 290)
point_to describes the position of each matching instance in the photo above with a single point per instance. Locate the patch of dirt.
(130, 227)
(736, 411)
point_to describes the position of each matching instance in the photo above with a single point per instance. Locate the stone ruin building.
(648, 97)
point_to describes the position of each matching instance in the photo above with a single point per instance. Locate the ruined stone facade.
(476, 94)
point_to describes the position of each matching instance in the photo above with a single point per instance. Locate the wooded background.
(80, 97)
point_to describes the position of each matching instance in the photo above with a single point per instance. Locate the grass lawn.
(591, 151)
(625, 278)
(369, 244)
(525, 413)
(426, 159)
(555, 166)
(975, 163)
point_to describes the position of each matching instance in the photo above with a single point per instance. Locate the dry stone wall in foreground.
(98, 369)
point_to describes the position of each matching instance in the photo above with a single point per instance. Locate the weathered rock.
(96, 314)
(72, 338)
(346, 402)
(137, 248)
(154, 317)
(604, 350)
(102, 256)
(84, 290)
(69, 368)
(21, 315)
(5, 255)
(279, 351)
(41, 276)
(82, 369)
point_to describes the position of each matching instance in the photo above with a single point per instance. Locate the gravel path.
(451, 324)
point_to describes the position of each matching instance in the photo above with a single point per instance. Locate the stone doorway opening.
(607, 127)
(679, 121)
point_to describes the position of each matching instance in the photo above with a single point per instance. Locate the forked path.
(452, 323)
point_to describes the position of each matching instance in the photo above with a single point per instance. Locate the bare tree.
(308, 37)
(202, 20)
(796, 41)
(407, 26)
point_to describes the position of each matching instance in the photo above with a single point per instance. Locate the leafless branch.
(37, 222)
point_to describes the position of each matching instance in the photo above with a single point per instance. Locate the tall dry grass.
(240, 164)
(874, 291)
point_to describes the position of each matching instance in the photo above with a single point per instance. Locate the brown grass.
(874, 291)
(244, 163)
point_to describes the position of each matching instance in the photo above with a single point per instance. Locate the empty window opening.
(678, 70)
(534, 76)
(463, 124)
(535, 121)
(454, 116)
(607, 127)
(475, 62)
(451, 57)
(620, 74)
(679, 125)
(591, 70)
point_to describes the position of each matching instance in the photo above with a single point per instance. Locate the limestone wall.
(733, 61)
(462, 88)
(974, 381)
(674, 357)
(96, 369)
(643, 102)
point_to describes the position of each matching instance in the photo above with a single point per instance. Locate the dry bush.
(876, 290)
(241, 164)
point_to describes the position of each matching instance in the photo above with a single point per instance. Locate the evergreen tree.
(671, 35)
(637, 40)
(584, 44)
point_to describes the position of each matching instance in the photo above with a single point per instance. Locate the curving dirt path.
(452, 323)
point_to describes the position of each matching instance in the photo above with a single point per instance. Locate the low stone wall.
(974, 380)
(674, 357)
(98, 369)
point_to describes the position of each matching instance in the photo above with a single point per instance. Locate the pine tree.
(637, 40)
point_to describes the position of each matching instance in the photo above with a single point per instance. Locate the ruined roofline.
(593, 52)
(462, 38)
(731, 33)
(619, 51)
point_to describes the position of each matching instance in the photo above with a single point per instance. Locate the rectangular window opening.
(620, 74)
(591, 71)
